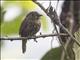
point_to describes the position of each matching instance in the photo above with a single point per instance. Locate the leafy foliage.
(53, 54)
(76, 47)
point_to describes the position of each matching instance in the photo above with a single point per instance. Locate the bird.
(29, 27)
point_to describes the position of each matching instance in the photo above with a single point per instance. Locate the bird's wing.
(24, 28)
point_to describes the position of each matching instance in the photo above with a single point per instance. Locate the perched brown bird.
(29, 27)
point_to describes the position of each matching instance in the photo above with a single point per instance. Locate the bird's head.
(34, 15)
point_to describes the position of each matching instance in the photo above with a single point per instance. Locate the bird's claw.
(35, 40)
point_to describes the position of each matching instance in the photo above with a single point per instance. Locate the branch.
(60, 25)
(41, 7)
(31, 37)
(73, 38)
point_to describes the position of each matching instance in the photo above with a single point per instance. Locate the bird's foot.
(35, 40)
(40, 33)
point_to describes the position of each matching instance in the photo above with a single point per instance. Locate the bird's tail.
(24, 45)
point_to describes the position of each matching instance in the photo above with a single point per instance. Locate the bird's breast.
(37, 25)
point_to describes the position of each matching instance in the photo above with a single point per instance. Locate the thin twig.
(54, 25)
(69, 40)
(31, 37)
(60, 40)
(60, 25)
(73, 38)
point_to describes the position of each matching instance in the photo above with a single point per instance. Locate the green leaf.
(53, 54)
